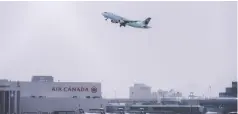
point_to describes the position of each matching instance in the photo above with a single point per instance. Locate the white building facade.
(60, 89)
(46, 87)
(45, 95)
(170, 95)
(140, 91)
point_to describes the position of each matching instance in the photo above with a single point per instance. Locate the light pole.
(115, 94)
(210, 89)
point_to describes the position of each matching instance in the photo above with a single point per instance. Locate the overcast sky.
(190, 46)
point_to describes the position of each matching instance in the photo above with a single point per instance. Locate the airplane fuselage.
(138, 24)
(118, 19)
(112, 16)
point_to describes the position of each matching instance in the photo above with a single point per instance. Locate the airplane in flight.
(123, 21)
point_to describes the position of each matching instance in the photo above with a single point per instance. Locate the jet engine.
(121, 21)
(113, 21)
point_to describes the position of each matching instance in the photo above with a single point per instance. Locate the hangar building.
(43, 95)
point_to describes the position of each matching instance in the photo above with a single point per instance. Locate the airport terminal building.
(43, 95)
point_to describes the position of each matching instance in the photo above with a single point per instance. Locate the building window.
(94, 97)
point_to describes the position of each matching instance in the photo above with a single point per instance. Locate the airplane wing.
(124, 21)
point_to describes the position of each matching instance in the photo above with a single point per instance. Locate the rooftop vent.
(42, 79)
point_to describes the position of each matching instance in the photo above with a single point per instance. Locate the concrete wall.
(59, 104)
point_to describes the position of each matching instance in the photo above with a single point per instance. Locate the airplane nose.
(104, 13)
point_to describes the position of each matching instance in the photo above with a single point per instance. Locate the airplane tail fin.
(147, 20)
